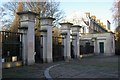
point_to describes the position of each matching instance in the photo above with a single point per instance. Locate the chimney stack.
(108, 24)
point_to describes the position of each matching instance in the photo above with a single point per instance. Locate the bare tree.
(15, 24)
(4, 21)
(116, 11)
(116, 17)
(44, 9)
(74, 18)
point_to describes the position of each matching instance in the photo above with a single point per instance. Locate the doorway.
(101, 47)
(72, 51)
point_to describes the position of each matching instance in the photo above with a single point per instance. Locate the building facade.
(103, 43)
(97, 34)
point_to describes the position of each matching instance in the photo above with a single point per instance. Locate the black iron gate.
(72, 51)
(87, 48)
(57, 49)
(38, 49)
(11, 46)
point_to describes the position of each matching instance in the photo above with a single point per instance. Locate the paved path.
(89, 67)
(46, 72)
(33, 71)
(92, 67)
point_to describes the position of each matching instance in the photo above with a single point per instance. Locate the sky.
(99, 8)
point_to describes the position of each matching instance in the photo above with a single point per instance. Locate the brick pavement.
(92, 67)
(89, 67)
(33, 71)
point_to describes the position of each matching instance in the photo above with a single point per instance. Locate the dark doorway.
(87, 47)
(72, 51)
(38, 49)
(101, 47)
(58, 48)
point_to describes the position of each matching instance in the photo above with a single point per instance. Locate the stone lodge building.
(96, 34)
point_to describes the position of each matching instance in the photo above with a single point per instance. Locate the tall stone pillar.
(65, 31)
(94, 40)
(44, 45)
(113, 40)
(24, 30)
(76, 36)
(27, 24)
(0, 55)
(46, 31)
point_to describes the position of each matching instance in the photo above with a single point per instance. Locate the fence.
(57, 48)
(11, 46)
(38, 49)
(86, 47)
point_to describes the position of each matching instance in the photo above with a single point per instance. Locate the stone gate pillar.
(27, 24)
(94, 40)
(75, 40)
(65, 31)
(46, 31)
(24, 30)
(0, 55)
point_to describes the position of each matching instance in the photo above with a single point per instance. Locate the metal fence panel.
(11, 45)
(57, 49)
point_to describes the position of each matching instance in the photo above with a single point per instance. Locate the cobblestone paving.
(92, 67)
(34, 71)
(89, 67)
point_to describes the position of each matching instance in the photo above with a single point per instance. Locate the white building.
(97, 35)
(103, 43)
